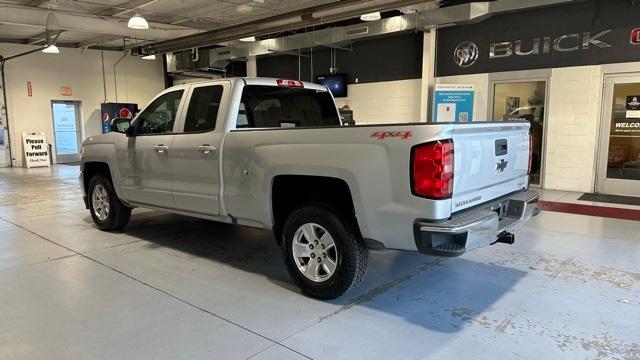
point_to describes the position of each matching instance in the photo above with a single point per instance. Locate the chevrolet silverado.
(274, 154)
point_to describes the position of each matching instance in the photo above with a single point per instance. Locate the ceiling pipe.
(337, 37)
(428, 15)
(36, 17)
(331, 12)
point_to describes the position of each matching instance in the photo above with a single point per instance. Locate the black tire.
(118, 214)
(352, 254)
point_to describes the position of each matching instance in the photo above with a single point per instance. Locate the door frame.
(525, 76)
(604, 185)
(68, 158)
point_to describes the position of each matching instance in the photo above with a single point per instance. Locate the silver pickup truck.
(274, 154)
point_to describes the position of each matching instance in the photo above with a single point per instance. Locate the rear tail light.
(432, 169)
(290, 83)
(530, 154)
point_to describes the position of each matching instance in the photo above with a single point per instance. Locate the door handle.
(161, 148)
(206, 148)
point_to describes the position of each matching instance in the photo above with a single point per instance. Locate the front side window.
(203, 109)
(273, 107)
(158, 118)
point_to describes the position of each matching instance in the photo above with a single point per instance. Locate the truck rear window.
(277, 107)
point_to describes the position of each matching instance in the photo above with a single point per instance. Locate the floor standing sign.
(453, 103)
(36, 150)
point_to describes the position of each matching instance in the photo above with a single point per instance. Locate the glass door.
(5, 156)
(619, 160)
(4, 142)
(524, 100)
(66, 130)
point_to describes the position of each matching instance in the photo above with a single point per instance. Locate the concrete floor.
(171, 287)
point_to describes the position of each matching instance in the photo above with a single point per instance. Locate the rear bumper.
(477, 227)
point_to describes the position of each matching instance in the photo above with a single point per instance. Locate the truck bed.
(374, 162)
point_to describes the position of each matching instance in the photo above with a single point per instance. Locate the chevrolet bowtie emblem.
(500, 166)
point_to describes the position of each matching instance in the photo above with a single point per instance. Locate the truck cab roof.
(260, 81)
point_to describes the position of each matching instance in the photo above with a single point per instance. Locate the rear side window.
(203, 109)
(273, 107)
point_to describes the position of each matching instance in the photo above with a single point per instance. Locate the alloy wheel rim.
(100, 202)
(315, 252)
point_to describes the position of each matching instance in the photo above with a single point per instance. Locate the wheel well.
(291, 191)
(93, 168)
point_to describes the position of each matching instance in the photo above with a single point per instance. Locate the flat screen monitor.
(337, 84)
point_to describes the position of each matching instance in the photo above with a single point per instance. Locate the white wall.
(481, 98)
(384, 102)
(138, 81)
(572, 123)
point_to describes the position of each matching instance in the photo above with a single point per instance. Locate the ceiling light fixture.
(248, 39)
(51, 34)
(371, 16)
(51, 49)
(138, 22)
(149, 57)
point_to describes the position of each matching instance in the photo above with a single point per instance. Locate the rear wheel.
(107, 211)
(324, 254)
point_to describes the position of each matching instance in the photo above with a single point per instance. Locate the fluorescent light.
(149, 57)
(138, 22)
(371, 16)
(249, 39)
(51, 49)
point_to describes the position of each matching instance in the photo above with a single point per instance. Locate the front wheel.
(324, 255)
(107, 211)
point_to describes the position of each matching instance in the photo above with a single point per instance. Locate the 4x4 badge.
(500, 166)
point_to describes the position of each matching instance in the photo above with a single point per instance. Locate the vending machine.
(110, 111)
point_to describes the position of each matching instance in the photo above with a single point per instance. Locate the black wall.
(620, 16)
(381, 59)
(236, 68)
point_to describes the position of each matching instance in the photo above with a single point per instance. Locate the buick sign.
(465, 54)
(562, 43)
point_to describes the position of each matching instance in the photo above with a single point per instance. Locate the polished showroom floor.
(171, 287)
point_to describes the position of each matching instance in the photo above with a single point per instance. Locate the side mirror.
(121, 125)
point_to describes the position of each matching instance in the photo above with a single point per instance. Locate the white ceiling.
(199, 15)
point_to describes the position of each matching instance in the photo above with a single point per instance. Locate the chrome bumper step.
(476, 227)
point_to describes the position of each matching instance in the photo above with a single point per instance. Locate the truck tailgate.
(491, 160)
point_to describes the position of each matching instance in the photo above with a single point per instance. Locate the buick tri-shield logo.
(466, 54)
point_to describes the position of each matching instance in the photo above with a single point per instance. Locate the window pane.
(269, 107)
(203, 109)
(623, 161)
(523, 101)
(159, 116)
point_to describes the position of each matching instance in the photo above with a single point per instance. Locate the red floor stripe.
(591, 210)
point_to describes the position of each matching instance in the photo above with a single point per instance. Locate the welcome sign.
(36, 150)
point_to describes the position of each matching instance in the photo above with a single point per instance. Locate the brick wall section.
(572, 128)
(384, 102)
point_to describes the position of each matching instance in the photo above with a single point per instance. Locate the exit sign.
(66, 91)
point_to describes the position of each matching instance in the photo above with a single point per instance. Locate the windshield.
(272, 107)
